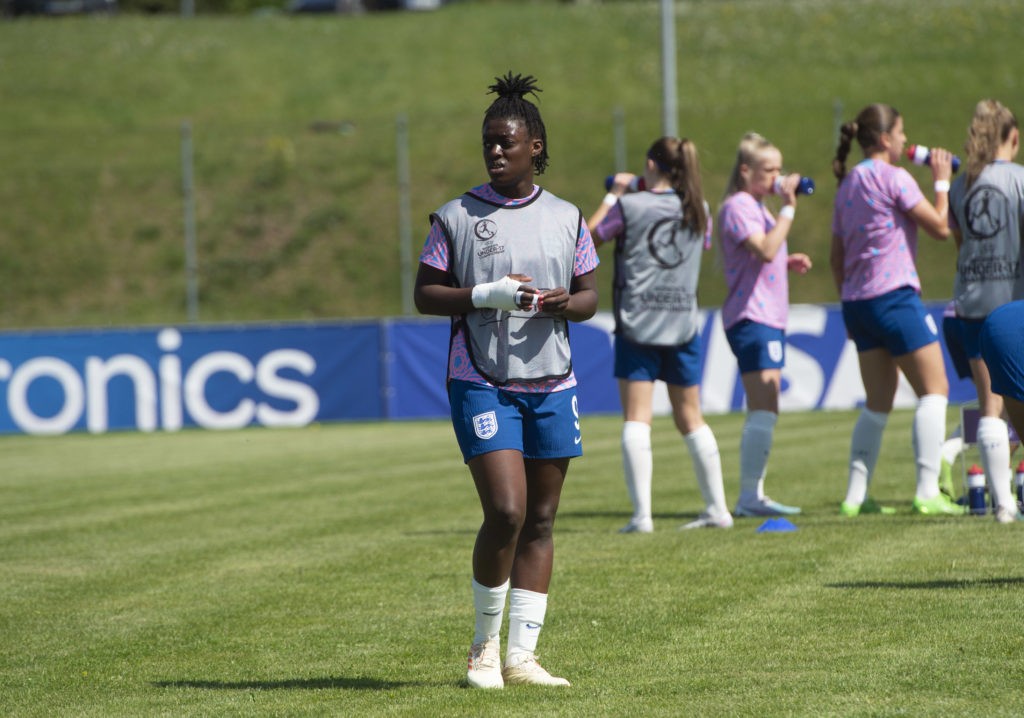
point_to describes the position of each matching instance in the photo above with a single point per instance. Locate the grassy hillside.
(294, 131)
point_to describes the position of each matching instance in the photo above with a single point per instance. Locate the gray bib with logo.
(988, 271)
(657, 267)
(488, 241)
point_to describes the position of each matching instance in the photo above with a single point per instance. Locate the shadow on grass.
(289, 684)
(949, 583)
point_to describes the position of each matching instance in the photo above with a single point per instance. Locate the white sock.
(755, 445)
(929, 430)
(489, 605)
(865, 445)
(526, 612)
(994, 450)
(952, 448)
(707, 465)
(638, 465)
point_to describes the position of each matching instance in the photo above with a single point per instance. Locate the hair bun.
(514, 86)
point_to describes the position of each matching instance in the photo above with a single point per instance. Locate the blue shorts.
(896, 321)
(953, 333)
(539, 426)
(970, 333)
(757, 346)
(678, 365)
(1002, 347)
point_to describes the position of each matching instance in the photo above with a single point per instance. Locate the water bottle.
(921, 155)
(976, 490)
(1018, 481)
(636, 184)
(804, 186)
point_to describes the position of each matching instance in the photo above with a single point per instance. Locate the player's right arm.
(434, 293)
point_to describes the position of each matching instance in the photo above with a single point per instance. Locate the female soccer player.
(878, 209)
(659, 237)
(986, 210)
(754, 314)
(511, 263)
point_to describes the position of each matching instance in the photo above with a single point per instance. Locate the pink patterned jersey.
(879, 236)
(435, 254)
(758, 290)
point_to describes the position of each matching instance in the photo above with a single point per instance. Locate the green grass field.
(325, 571)
(295, 147)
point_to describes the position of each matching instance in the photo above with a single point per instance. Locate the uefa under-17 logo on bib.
(485, 425)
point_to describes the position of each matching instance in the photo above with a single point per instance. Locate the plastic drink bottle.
(976, 490)
(637, 184)
(804, 186)
(921, 155)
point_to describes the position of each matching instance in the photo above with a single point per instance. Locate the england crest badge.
(485, 425)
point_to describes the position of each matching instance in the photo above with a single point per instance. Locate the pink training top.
(879, 236)
(435, 254)
(758, 290)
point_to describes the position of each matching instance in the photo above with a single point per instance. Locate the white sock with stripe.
(526, 613)
(489, 605)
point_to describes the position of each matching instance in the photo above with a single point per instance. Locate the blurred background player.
(986, 208)
(953, 446)
(756, 263)
(1002, 347)
(878, 209)
(498, 260)
(660, 235)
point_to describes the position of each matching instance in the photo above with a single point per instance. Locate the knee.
(504, 521)
(541, 523)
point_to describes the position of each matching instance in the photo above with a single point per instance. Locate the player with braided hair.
(878, 209)
(511, 264)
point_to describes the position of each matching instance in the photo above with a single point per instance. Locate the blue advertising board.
(229, 377)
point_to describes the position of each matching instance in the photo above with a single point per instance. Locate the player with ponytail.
(878, 209)
(986, 211)
(756, 262)
(659, 236)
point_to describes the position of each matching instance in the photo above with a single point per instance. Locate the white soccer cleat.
(1008, 514)
(484, 669)
(764, 506)
(638, 526)
(707, 521)
(529, 672)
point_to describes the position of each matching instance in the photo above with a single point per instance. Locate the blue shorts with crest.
(757, 346)
(539, 426)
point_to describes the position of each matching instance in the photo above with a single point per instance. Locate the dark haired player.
(511, 264)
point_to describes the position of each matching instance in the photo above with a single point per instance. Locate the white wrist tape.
(496, 295)
(788, 211)
(610, 199)
(942, 185)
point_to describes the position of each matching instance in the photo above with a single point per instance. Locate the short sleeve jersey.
(757, 290)
(879, 237)
(436, 254)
